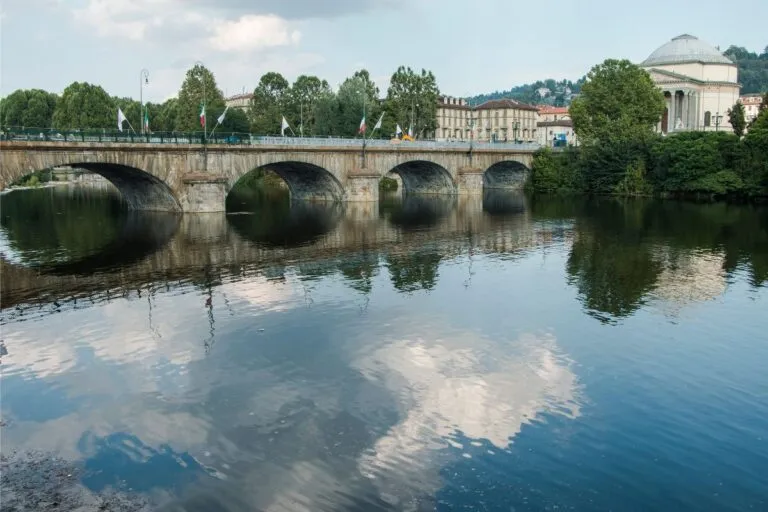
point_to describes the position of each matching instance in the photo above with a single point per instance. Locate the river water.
(494, 353)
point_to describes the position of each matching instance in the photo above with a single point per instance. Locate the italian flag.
(362, 125)
(202, 116)
(146, 120)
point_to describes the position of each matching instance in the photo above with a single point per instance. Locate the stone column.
(684, 115)
(362, 185)
(672, 112)
(469, 180)
(203, 193)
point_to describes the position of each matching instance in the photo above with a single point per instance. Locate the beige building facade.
(699, 84)
(241, 101)
(751, 104)
(503, 120)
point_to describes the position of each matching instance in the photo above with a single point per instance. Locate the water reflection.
(319, 359)
(287, 224)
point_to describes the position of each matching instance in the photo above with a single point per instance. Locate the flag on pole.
(410, 131)
(362, 126)
(120, 118)
(398, 131)
(202, 116)
(283, 126)
(222, 116)
(146, 120)
(378, 123)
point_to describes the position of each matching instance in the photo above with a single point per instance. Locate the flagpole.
(364, 126)
(143, 77)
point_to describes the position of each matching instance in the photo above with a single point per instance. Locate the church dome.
(686, 48)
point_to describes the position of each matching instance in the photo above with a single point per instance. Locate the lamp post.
(205, 122)
(718, 118)
(143, 79)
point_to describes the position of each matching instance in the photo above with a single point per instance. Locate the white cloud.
(253, 32)
(177, 22)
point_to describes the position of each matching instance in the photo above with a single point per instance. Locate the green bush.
(388, 184)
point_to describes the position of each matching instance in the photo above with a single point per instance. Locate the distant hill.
(753, 68)
(544, 92)
(753, 76)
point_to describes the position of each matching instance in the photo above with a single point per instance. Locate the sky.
(471, 47)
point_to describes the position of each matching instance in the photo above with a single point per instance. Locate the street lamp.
(205, 122)
(718, 118)
(143, 79)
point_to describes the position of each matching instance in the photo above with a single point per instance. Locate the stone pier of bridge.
(193, 178)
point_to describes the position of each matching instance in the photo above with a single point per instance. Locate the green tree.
(304, 94)
(618, 101)
(356, 92)
(198, 84)
(413, 272)
(84, 106)
(236, 120)
(28, 108)
(326, 115)
(412, 96)
(268, 104)
(737, 119)
(162, 118)
(132, 110)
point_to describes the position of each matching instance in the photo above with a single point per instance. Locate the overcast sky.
(471, 46)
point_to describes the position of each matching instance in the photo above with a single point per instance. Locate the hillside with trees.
(753, 68)
(553, 92)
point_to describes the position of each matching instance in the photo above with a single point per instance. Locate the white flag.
(283, 126)
(410, 131)
(120, 119)
(223, 114)
(398, 131)
(378, 123)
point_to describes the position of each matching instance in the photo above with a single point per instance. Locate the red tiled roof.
(504, 103)
(547, 109)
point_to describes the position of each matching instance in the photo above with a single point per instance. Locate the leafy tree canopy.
(28, 108)
(618, 101)
(199, 86)
(412, 97)
(83, 106)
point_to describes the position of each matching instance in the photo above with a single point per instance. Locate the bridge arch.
(424, 177)
(305, 181)
(506, 175)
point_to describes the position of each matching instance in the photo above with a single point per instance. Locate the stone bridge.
(197, 178)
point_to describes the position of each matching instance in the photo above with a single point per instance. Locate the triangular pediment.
(662, 76)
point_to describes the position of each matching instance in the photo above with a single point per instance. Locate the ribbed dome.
(686, 48)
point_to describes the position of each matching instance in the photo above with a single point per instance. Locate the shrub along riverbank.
(701, 164)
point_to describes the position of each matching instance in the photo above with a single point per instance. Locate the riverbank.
(41, 482)
(713, 165)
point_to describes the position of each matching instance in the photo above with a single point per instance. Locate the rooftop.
(505, 103)
(686, 48)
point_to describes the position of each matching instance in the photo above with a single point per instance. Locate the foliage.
(412, 96)
(357, 94)
(304, 94)
(132, 110)
(753, 68)
(556, 172)
(549, 92)
(413, 272)
(199, 85)
(694, 163)
(83, 105)
(268, 104)
(387, 184)
(737, 119)
(162, 118)
(619, 101)
(28, 108)
(634, 182)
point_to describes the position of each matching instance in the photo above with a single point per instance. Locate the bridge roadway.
(193, 250)
(197, 178)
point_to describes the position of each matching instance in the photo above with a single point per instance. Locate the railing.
(233, 138)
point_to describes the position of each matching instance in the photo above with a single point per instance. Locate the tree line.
(753, 68)
(309, 105)
(615, 119)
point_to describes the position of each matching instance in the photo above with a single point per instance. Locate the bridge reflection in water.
(94, 254)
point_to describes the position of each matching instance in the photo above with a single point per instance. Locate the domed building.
(700, 84)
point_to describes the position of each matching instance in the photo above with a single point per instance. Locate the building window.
(707, 118)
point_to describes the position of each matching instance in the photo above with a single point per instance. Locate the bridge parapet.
(156, 176)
